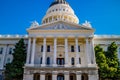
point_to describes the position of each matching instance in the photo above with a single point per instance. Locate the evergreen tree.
(101, 61)
(108, 62)
(112, 61)
(14, 70)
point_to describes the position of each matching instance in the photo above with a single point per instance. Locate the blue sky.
(17, 15)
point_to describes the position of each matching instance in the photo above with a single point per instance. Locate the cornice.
(106, 36)
(17, 36)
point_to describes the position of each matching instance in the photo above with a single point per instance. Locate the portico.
(60, 50)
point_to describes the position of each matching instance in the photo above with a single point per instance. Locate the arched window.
(79, 60)
(72, 61)
(60, 77)
(48, 61)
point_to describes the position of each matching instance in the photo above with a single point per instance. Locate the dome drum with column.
(60, 12)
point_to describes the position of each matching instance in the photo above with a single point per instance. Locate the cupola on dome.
(58, 2)
(60, 10)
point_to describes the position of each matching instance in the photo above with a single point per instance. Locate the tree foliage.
(108, 62)
(14, 70)
(112, 60)
(101, 61)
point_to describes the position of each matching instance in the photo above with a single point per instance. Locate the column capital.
(54, 72)
(55, 37)
(42, 72)
(86, 38)
(44, 36)
(78, 72)
(76, 37)
(66, 72)
(66, 37)
(34, 37)
(94, 72)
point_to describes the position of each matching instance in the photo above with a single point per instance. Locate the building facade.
(58, 49)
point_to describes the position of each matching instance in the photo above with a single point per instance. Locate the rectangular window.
(1, 50)
(42, 48)
(78, 48)
(48, 48)
(72, 49)
(10, 50)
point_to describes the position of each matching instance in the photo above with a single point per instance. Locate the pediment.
(61, 26)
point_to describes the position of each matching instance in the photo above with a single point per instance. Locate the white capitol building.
(58, 49)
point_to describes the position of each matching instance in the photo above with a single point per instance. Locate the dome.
(60, 10)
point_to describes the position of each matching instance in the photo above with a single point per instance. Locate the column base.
(29, 64)
(78, 65)
(54, 65)
(28, 77)
(92, 65)
(66, 65)
(43, 65)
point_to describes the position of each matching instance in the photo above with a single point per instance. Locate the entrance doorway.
(36, 76)
(60, 61)
(48, 76)
(72, 76)
(60, 77)
(84, 76)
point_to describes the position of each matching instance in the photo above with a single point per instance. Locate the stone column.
(5, 52)
(87, 51)
(28, 76)
(48, 20)
(44, 52)
(77, 54)
(55, 52)
(52, 19)
(42, 76)
(78, 75)
(93, 75)
(93, 52)
(33, 51)
(66, 75)
(66, 52)
(28, 51)
(54, 75)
